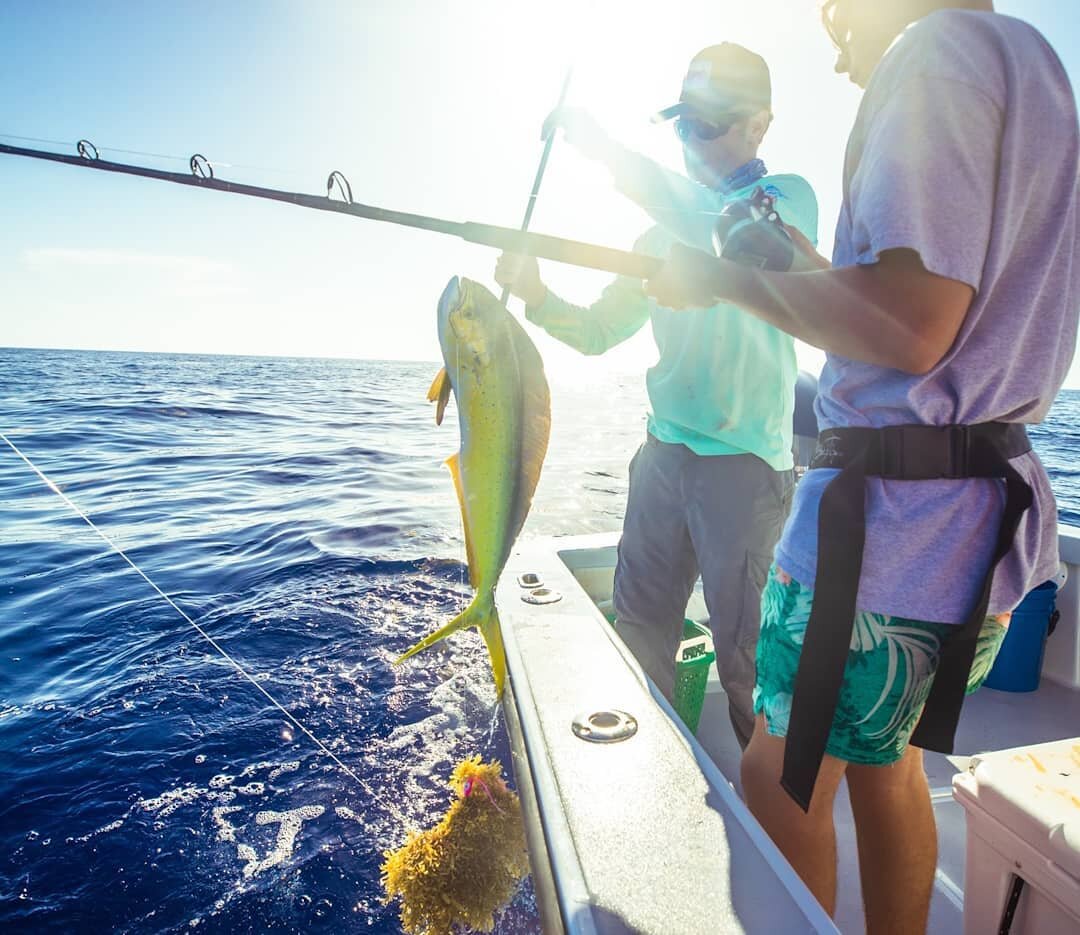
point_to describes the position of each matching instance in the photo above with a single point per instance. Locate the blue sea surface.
(299, 512)
(1057, 442)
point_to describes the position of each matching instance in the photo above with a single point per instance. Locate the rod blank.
(573, 252)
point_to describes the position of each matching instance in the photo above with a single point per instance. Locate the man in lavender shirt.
(950, 309)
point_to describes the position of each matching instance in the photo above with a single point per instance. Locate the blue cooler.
(1019, 662)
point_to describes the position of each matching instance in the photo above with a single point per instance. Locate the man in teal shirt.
(711, 486)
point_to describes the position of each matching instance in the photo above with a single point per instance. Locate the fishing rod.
(573, 252)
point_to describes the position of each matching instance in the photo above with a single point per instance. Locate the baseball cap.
(722, 80)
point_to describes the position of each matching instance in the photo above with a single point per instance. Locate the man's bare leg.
(806, 839)
(894, 824)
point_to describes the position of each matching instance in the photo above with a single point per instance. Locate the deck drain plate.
(541, 596)
(604, 726)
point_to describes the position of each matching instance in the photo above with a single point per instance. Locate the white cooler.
(1023, 822)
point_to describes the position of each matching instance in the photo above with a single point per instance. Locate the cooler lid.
(1033, 791)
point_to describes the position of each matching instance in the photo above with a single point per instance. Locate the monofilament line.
(206, 636)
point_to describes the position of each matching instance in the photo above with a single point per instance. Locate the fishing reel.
(749, 231)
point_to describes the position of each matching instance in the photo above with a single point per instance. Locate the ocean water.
(298, 511)
(1057, 442)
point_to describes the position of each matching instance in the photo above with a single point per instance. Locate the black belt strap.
(902, 452)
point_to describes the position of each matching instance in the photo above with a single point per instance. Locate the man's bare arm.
(894, 313)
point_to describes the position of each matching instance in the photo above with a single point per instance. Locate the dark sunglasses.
(835, 19)
(686, 127)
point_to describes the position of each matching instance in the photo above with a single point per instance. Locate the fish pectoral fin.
(436, 387)
(454, 463)
(439, 393)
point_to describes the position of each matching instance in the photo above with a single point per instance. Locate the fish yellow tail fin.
(489, 629)
(483, 616)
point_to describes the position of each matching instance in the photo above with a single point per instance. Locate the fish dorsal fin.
(440, 393)
(535, 420)
(455, 472)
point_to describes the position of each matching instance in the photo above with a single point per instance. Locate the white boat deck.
(992, 720)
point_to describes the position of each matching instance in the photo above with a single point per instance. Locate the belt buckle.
(829, 450)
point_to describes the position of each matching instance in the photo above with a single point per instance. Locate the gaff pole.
(548, 141)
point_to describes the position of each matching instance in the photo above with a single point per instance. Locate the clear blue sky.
(426, 106)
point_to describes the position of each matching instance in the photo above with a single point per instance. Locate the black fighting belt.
(900, 452)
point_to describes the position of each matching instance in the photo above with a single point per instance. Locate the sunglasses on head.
(687, 127)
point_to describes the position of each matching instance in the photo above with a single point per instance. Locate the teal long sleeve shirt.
(725, 380)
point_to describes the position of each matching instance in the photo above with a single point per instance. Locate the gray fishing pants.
(718, 516)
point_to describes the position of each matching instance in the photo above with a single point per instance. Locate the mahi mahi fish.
(504, 414)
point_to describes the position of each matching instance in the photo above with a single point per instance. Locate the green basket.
(692, 662)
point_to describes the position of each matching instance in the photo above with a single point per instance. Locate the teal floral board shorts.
(887, 679)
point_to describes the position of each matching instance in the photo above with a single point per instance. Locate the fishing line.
(217, 163)
(201, 175)
(34, 139)
(104, 149)
(397, 814)
(276, 170)
(466, 598)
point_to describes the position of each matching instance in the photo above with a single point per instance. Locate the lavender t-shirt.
(965, 150)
